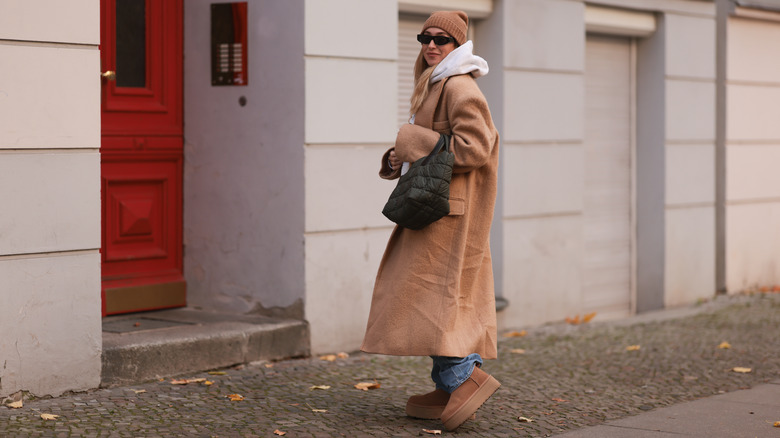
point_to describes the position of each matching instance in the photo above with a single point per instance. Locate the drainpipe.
(723, 9)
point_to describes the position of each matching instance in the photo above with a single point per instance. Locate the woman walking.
(434, 294)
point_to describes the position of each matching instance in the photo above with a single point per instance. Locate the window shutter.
(408, 48)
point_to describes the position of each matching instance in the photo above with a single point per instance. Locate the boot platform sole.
(428, 412)
(469, 408)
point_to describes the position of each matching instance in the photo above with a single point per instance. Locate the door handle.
(109, 75)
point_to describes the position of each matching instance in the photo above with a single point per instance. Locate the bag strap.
(443, 143)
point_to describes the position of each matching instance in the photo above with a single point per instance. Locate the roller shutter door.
(607, 189)
(408, 48)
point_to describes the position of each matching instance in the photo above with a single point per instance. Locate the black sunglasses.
(439, 40)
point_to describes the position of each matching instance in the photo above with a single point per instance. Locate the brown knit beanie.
(455, 23)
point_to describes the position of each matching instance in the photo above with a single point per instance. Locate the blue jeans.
(450, 372)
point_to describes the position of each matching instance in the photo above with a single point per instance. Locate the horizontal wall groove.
(50, 44)
(544, 70)
(542, 215)
(746, 83)
(336, 231)
(38, 255)
(542, 142)
(759, 142)
(31, 151)
(690, 205)
(386, 145)
(701, 142)
(350, 58)
(735, 202)
(690, 79)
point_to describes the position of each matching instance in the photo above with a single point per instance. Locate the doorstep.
(151, 345)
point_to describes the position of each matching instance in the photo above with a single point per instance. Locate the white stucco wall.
(543, 155)
(690, 156)
(50, 174)
(350, 122)
(752, 151)
(542, 158)
(244, 166)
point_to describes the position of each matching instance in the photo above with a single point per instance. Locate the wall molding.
(474, 8)
(623, 22)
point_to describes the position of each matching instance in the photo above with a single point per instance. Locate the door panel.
(607, 198)
(146, 96)
(141, 155)
(141, 215)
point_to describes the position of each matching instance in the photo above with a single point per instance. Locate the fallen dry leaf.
(333, 357)
(208, 383)
(217, 373)
(319, 387)
(573, 321)
(741, 370)
(138, 391)
(777, 423)
(313, 409)
(633, 348)
(365, 386)
(269, 365)
(588, 317)
(559, 400)
(432, 432)
(515, 334)
(49, 416)
(235, 397)
(279, 432)
(186, 381)
(525, 420)
(517, 351)
(15, 405)
(724, 344)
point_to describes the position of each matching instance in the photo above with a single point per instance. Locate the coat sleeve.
(473, 133)
(385, 172)
(414, 142)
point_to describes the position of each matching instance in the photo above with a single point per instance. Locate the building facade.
(239, 173)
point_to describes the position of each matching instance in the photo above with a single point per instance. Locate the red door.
(141, 155)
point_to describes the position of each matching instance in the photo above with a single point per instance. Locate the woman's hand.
(394, 162)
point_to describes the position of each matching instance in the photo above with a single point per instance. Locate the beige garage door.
(607, 199)
(408, 48)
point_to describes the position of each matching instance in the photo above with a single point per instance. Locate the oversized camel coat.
(434, 294)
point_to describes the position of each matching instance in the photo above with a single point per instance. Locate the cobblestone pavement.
(568, 377)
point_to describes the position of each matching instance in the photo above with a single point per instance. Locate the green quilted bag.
(422, 195)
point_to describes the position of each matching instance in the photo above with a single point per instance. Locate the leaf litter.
(365, 386)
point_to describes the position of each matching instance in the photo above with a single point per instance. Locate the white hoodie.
(460, 61)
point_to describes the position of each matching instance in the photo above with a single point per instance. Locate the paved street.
(566, 377)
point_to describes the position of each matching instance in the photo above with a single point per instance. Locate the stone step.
(152, 345)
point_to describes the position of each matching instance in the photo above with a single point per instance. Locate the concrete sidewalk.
(746, 413)
(575, 380)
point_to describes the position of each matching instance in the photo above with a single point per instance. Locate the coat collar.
(424, 116)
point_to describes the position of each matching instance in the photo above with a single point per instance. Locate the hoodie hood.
(460, 61)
